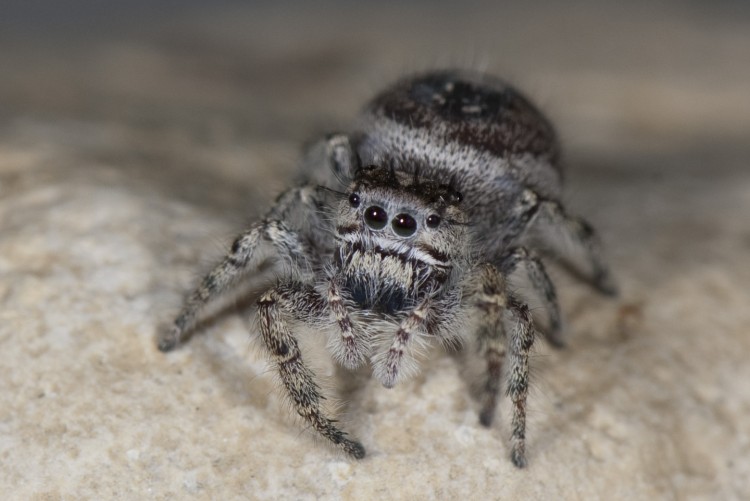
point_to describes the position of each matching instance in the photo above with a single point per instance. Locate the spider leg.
(302, 303)
(352, 347)
(490, 301)
(542, 285)
(584, 255)
(493, 300)
(520, 340)
(334, 154)
(289, 244)
(580, 246)
(387, 368)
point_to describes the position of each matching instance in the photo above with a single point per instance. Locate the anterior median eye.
(404, 225)
(376, 217)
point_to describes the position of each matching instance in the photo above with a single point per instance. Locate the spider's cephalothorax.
(401, 242)
(396, 243)
(407, 230)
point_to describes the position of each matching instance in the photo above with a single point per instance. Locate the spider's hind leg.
(543, 287)
(294, 228)
(290, 244)
(576, 241)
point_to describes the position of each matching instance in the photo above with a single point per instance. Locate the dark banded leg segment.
(520, 341)
(274, 308)
(490, 301)
(494, 303)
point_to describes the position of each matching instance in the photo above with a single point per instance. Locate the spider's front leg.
(387, 366)
(289, 245)
(353, 345)
(493, 301)
(303, 303)
(490, 301)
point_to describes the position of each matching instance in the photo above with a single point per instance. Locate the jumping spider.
(407, 229)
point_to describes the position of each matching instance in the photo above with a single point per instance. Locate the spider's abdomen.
(467, 127)
(469, 109)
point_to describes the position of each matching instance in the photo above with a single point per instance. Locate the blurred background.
(137, 137)
(173, 82)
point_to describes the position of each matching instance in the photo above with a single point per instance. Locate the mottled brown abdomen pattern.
(471, 109)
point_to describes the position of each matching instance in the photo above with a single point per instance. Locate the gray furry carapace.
(405, 230)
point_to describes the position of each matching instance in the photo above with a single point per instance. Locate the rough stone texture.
(134, 141)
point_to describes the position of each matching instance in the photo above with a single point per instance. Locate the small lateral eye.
(404, 225)
(433, 221)
(354, 200)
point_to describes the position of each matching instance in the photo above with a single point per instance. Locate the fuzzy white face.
(396, 212)
(398, 240)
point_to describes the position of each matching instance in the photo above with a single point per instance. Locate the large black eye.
(376, 217)
(433, 221)
(354, 200)
(404, 225)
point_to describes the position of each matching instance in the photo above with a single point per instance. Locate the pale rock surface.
(129, 158)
